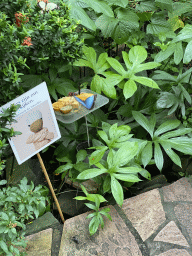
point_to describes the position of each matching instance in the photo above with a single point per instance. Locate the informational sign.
(35, 120)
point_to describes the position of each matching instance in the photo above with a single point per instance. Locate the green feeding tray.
(82, 111)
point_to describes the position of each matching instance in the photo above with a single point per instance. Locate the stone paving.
(157, 222)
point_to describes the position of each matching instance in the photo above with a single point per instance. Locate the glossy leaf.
(147, 153)
(90, 173)
(129, 89)
(137, 54)
(127, 177)
(167, 126)
(158, 156)
(117, 191)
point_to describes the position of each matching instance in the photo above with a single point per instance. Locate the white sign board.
(35, 120)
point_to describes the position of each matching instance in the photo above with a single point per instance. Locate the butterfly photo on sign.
(46, 7)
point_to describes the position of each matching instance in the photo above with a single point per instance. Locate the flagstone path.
(157, 222)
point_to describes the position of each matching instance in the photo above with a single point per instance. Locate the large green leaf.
(188, 53)
(178, 53)
(90, 173)
(126, 60)
(147, 6)
(121, 32)
(79, 14)
(129, 89)
(129, 170)
(143, 121)
(184, 34)
(137, 54)
(146, 81)
(167, 126)
(117, 191)
(127, 177)
(125, 153)
(100, 6)
(163, 55)
(102, 63)
(107, 25)
(158, 156)
(174, 157)
(146, 66)
(165, 4)
(182, 144)
(116, 65)
(176, 133)
(158, 24)
(162, 75)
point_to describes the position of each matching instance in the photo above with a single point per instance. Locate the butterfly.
(47, 6)
(87, 100)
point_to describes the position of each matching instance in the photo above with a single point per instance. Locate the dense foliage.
(137, 53)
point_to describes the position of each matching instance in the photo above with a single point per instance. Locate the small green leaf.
(90, 173)
(117, 191)
(4, 246)
(129, 89)
(93, 225)
(81, 155)
(147, 153)
(97, 155)
(63, 168)
(103, 135)
(158, 156)
(137, 54)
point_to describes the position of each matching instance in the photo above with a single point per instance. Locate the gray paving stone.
(175, 252)
(171, 234)
(114, 240)
(180, 190)
(183, 213)
(146, 212)
(39, 244)
(43, 222)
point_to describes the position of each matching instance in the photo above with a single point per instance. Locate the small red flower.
(20, 19)
(27, 41)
